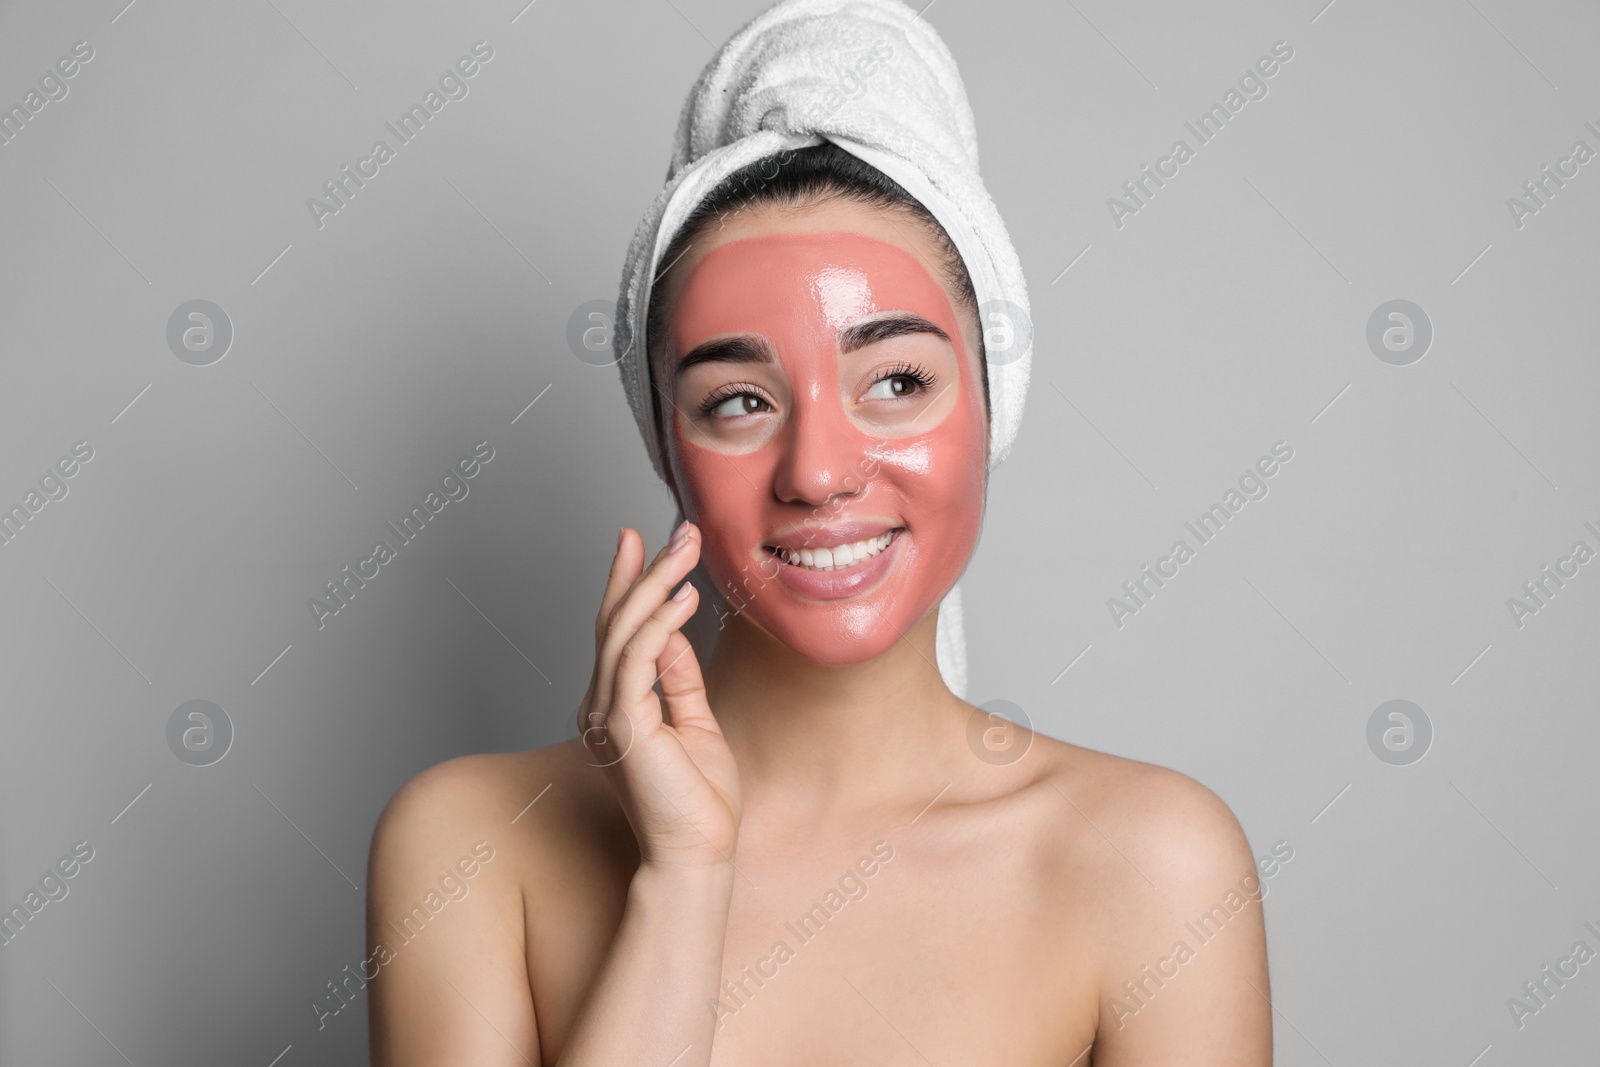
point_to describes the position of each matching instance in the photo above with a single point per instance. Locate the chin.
(846, 636)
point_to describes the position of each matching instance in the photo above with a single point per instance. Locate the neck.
(814, 741)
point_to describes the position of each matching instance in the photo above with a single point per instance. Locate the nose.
(822, 453)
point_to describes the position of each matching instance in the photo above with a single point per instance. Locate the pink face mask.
(827, 434)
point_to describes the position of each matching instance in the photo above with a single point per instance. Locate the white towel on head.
(875, 79)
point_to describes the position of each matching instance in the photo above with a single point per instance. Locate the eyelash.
(722, 394)
(925, 379)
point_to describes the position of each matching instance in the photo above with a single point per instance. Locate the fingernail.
(683, 591)
(620, 530)
(679, 536)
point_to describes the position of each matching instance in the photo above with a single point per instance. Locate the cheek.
(942, 470)
(939, 485)
(725, 496)
(939, 479)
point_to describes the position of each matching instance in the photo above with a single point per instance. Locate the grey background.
(371, 354)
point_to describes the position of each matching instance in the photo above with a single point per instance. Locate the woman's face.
(826, 424)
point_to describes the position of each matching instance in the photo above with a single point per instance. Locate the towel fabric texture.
(875, 79)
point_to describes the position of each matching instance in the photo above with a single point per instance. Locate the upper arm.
(445, 927)
(1185, 973)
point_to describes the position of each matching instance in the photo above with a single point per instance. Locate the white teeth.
(837, 557)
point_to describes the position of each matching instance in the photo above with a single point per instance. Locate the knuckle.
(643, 644)
(613, 621)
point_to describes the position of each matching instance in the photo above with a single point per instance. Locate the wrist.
(711, 883)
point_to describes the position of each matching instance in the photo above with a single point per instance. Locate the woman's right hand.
(673, 774)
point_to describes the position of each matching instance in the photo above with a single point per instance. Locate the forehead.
(831, 214)
(802, 281)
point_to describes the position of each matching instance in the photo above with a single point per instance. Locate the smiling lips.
(840, 571)
(834, 557)
(837, 561)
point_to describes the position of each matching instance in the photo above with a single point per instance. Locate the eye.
(728, 405)
(901, 381)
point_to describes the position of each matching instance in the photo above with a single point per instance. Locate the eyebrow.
(898, 325)
(752, 350)
(726, 350)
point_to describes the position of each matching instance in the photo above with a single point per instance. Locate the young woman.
(802, 849)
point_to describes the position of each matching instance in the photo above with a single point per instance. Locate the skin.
(816, 434)
(1008, 900)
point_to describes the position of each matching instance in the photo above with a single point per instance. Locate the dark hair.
(799, 177)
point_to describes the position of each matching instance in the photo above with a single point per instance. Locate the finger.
(683, 687)
(648, 593)
(625, 568)
(633, 568)
(636, 664)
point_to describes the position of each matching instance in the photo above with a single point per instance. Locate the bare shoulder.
(459, 854)
(491, 796)
(1156, 805)
(448, 803)
(1153, 840)
(434, 797)
(447, 822)
(1150, 807)
(1169, 886)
